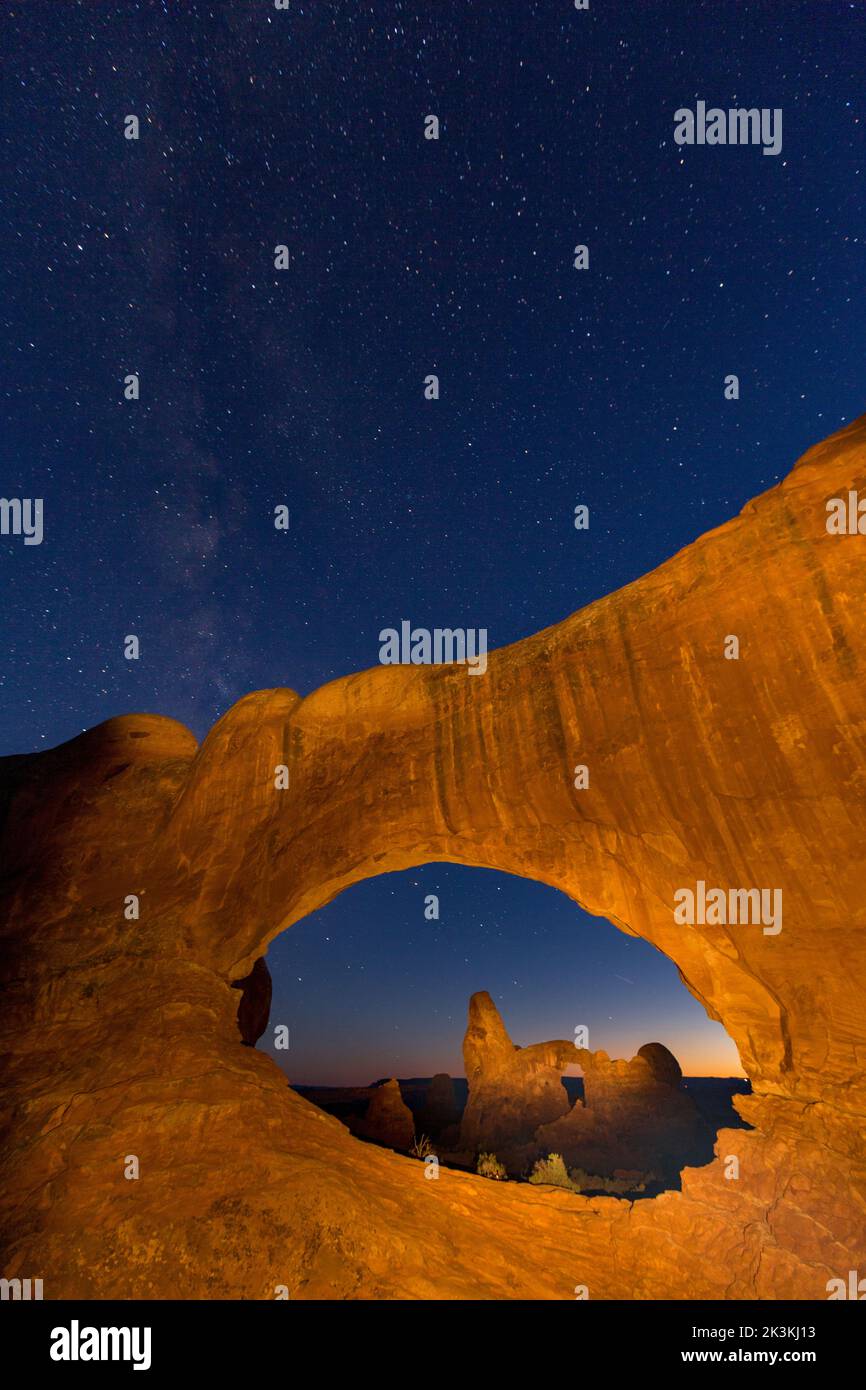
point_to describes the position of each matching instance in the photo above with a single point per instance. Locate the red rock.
(387, 1119)
(255, 1007)
(121, 1037)
(633, 1117)
(512, 1090)
(439, 1112)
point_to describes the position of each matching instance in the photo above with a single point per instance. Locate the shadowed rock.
(663, 1064)
(634, 1117)
(387, 1120)
(439, 1111)
(254, 1010)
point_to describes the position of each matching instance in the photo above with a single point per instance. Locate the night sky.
(305, 387)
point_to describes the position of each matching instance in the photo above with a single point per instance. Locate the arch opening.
(567, 1073)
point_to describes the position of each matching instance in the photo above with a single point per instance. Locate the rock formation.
(120, 1036)
(254, 1009)
(387, 1120)
(512, 1090)
(634, 1117)
(439, 1112)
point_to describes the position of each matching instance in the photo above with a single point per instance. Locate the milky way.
(407, 257)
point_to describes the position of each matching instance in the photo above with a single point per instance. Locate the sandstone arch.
(749, 773)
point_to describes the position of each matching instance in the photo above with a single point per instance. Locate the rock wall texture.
(120, 1036)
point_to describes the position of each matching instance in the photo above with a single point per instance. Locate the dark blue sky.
(369, 988)
(408, 256)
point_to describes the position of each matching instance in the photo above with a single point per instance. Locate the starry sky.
(305, 386)
(369, 988)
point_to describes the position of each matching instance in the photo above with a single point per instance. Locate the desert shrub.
(552, 1170)
(422, 1147)
(488, 1166)
(592, 1182)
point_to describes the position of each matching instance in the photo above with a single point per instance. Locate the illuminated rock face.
(512, 1090)
(120, 1034)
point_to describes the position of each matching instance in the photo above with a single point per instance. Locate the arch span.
(736, 774)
